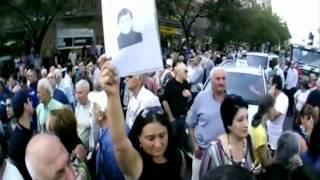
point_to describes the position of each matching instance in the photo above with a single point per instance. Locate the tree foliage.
(34, 15)
(232, 23)
(184, 11)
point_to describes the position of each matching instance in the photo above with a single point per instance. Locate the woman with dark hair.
(259, 131)
(312, 156)
(151, 154)
(304, 124)
(233, 147)
(63, 123)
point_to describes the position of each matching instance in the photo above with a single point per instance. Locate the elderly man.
(57, 93)
(141, 98)
(46, 158)
(204, 119)
(45, 93)
(88, 130)
(22, 133)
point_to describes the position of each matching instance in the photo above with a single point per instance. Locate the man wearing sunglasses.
(141, 98)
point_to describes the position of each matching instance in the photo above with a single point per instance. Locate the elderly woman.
(233, 147)
(287, 157)
(47, 103)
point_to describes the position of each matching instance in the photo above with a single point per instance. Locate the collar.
(141, 93)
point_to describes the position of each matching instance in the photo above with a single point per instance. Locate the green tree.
(231, 23)
(184, 11)
(35, 16)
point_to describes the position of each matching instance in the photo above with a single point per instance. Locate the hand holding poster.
(131, 35)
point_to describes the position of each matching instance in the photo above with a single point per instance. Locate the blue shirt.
(310, 161)
(205, 118)
(60, 96)
(107, 165)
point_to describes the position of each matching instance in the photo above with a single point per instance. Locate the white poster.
(131, 35)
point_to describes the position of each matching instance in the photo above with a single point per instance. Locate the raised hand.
(109, 79)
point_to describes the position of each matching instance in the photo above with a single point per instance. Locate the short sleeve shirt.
(259, 138)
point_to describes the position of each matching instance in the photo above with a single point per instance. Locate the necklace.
(243, 160)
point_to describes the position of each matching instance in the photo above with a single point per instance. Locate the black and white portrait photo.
(131, 35)
(127, 35)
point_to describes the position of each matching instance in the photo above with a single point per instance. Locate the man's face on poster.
(125, 23)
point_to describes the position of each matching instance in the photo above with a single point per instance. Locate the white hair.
(44, 72)
(83, 84)
(214, 70)
(44, 82)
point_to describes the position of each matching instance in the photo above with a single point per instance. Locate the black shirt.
(167, 171)
(173, 95)
(17, 148)
(314, 98)
(126, 40)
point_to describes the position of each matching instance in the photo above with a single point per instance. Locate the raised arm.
(129, 160)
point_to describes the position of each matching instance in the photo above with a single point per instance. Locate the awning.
(170, 30)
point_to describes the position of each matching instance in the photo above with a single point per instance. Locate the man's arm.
(167, 108)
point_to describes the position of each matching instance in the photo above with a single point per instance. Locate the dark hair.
(276, 80)
(229, 172)
(229, 108)
(18, 101)
(141, 121)
(69, 68)
(64, 125)
(306, 110)
(3, 148)
(314, 141)
(304, 83)
(265, 105)
(23, 80)
(123, 12)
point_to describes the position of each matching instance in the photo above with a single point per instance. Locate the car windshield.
(257, 61)
(305, 56)
(249, 86)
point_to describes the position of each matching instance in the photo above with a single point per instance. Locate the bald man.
(46, 158)
(204, 119)
(175, 102)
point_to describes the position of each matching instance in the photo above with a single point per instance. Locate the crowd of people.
(88, 123)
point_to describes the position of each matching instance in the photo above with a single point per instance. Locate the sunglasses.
(148, 112)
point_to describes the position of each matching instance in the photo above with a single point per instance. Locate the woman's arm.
(265, 155)
(129, 160)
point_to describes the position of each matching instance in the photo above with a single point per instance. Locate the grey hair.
(214, 70)
(44, 82)
(288, 146)
(83, 84)
(44, 72)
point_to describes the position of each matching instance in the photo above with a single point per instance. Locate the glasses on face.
(148, 112)
(129, 77)
(186, 71)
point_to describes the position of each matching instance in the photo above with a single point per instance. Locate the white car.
(248, 82)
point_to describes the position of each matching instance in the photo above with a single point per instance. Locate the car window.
(250, 87)
(256, 61)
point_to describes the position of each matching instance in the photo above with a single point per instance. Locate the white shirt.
(275, 127)
(292, 78)
(72, 56)
(68, 88)
(11, 172)
(195, 75)
(280, 73)
(87, 128)
(301, 98)
(96, 75)
(144, 99)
